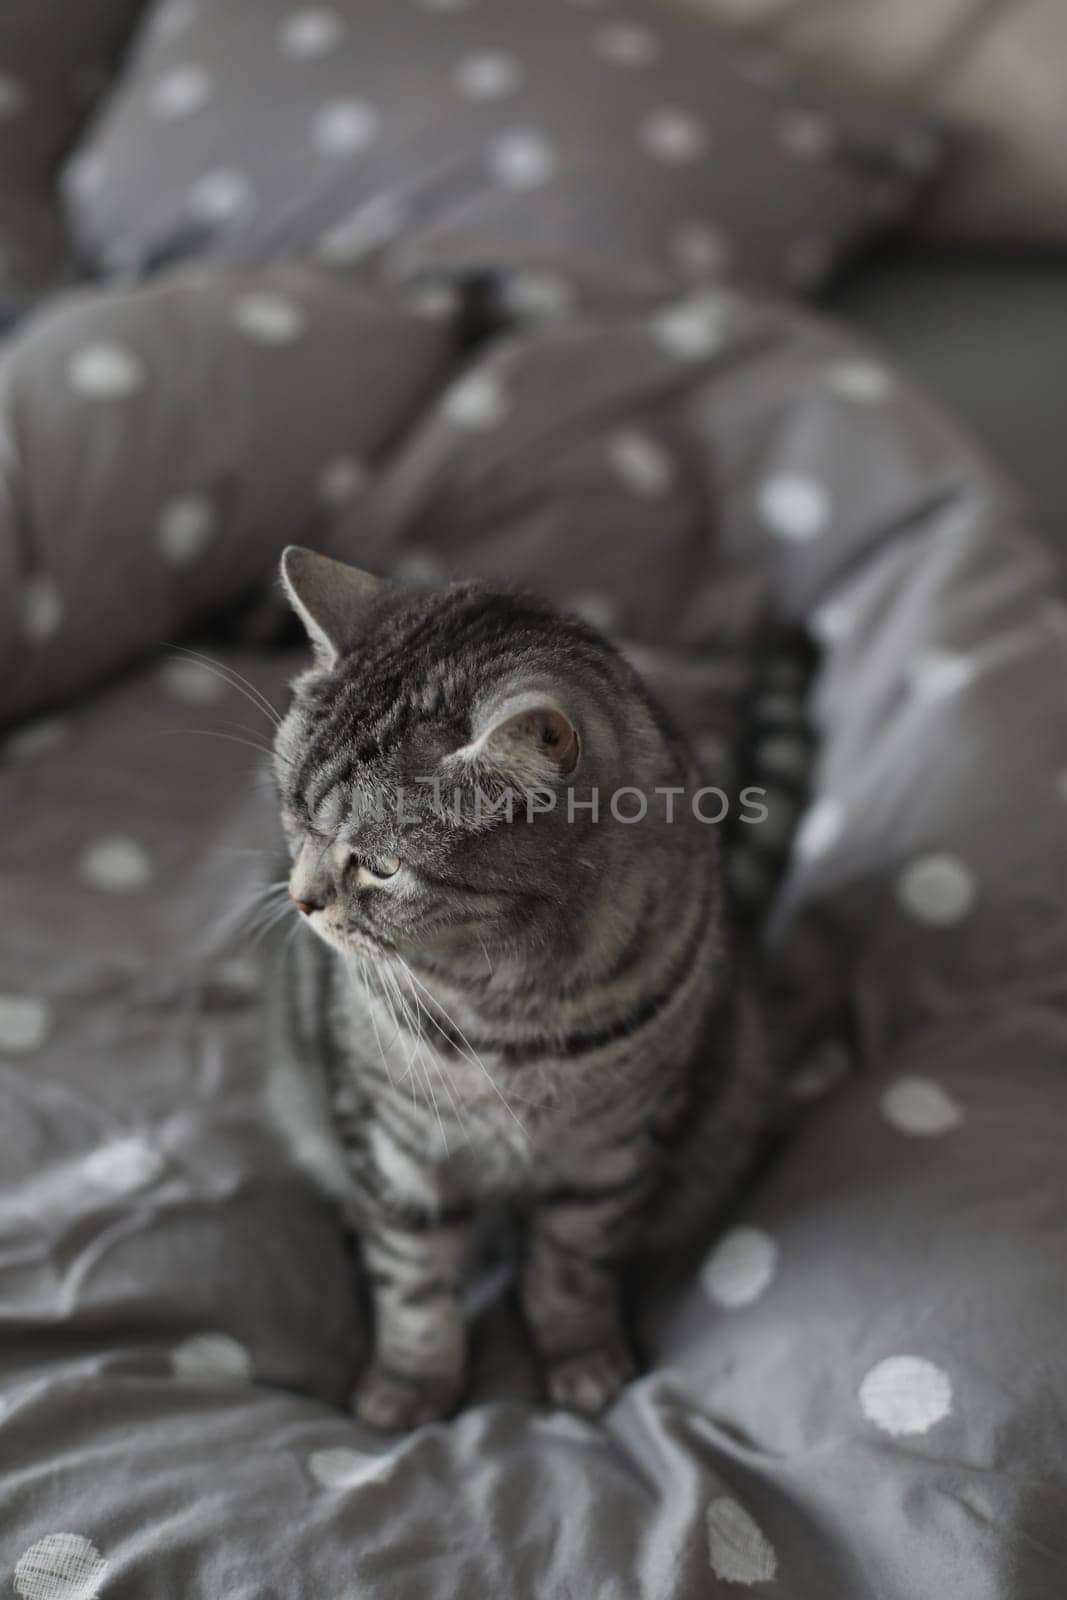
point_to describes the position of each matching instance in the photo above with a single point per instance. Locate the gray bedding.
(856, 1392)
(859, 1390)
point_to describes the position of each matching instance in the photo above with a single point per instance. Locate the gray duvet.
(859, 1391)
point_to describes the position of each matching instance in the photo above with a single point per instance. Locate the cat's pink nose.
(305, 907)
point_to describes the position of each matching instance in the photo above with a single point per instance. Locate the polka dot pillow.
(168, 440)
(410, 134)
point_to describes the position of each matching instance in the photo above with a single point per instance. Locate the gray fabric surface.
(632, 147)
(859, 1390)
(54, 62)
(987, 336)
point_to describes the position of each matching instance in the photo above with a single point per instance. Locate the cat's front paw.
(390, 1402)
(591, 1381)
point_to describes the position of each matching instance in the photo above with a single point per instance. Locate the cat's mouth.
(349, 941)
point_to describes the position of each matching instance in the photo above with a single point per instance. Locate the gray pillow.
(152, 435)
(472, 133)
(54, 59)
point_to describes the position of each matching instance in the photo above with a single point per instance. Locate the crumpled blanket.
(859, 1389)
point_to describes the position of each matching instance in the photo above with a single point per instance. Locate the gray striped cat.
(543, 1011)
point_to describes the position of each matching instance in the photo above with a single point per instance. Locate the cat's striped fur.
(545, 1011)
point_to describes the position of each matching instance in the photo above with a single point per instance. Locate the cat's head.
(436, 765)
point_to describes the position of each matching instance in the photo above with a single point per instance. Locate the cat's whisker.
(236, 680)
(221, 733)
(267, 907)
(271, 922)
(420, 1058)
(436, 1066)
(364, 968)
(473, 1055)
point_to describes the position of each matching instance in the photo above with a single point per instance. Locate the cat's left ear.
(330, 599)
(526, 738)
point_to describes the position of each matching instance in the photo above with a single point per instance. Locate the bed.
(857, 1390)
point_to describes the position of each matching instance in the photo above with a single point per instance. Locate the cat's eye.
(384, 867)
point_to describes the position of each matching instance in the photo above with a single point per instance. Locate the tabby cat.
(526, 997)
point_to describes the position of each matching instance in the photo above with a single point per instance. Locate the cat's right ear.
(330, 598)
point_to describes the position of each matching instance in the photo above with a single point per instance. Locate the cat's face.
(425, 710)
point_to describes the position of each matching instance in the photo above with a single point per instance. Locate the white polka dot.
(42, 609)
(740, 1268)
(180, 92)
(105, 372)
(25, 1021)
(537, 294)
(192, 683)
(905, 1394)
(863, 381)
(938, 889)
(782, 756)
(599, 610)
(117, 865)
(269, 318)
(312, 32)
(220, 195)
(935, 674)
(674, 136)
(819, 829)
(643, 465)
(343, 1468)
(738, 1551)
(122, 1166)
(489, 75)
(61, 1566)
(373, 225)
(521, 159)
(475, 402)
(700, 249)
(806, 133)
(340, 479)
(174, 18)
(185, 528)
(211, 1358)
(420, 566)
(627, 44)
(345, 126)
(833, 622)
(35, 739)
(239, 974)
(13, 97)
(86, 174)
(793, 507)
(691, 329)
(436, 302)
(920, 1107)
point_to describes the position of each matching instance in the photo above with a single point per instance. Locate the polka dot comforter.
(858, 1392)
